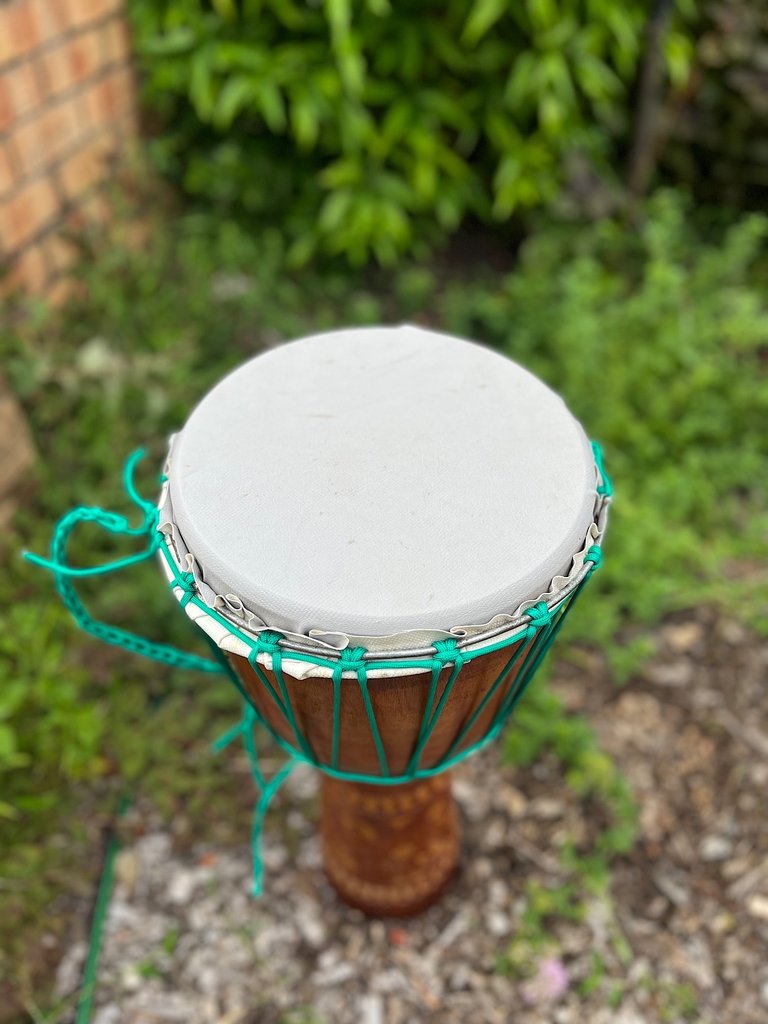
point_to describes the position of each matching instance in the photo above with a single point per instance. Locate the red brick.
(116, 42)
(52, 18)
(87, 54)
(6, 103)
(8, 169)
(89, 165)
(78, 102)
(74, 61)
(82, 12)
(26, 213)
(42, 140)
(29, 270)
(23, 86)
(58, 70)
(111, 97)
(19, 30)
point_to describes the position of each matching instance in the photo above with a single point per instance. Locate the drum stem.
(389, 850)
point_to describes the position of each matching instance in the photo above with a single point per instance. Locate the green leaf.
(482, 17)
(679, 53)
(272, 106)
(305, 119)
(170, 44)
(201, 90)
(236, 95)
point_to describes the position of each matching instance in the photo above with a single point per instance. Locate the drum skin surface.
(378, 481)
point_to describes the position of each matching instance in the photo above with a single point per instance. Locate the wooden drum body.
(381, 531)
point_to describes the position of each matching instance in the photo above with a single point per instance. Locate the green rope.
(267, 790)
(605, 488)
(529, 644)
(103, 897)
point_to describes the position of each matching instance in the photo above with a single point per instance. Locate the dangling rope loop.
(64, 573)
(267, 790)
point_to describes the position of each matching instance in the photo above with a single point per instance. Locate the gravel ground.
(680, 936)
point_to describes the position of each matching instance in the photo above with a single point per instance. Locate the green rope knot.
(186, 582)
(447, 652)
(595, 556)
(351, 659)
(268, 642)
(539, 615)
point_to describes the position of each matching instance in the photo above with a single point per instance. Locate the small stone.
(371, 1009)
(495, 834)
(722, 923)
(732, 632)
(757, 906)
(715, 847)
(657, 907)
(130, 979)
(109, 1014)
(333, 976)
(185, 882)
(483, 867)
(127, 870)
(310, 926)
(675, 673)
(512, 801)
(684, 636)
(389, 981)
(497, 923)
(459, 978)
(546, 808)
(498, 893)
(70, 968)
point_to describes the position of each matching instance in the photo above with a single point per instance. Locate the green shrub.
(365, 127)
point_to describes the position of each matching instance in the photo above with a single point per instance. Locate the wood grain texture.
(389, 850)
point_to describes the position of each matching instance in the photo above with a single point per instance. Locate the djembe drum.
(380, 531)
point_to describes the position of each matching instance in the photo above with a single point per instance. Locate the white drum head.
(380, 480)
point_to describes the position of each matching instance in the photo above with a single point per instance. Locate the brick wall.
(66, 109)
